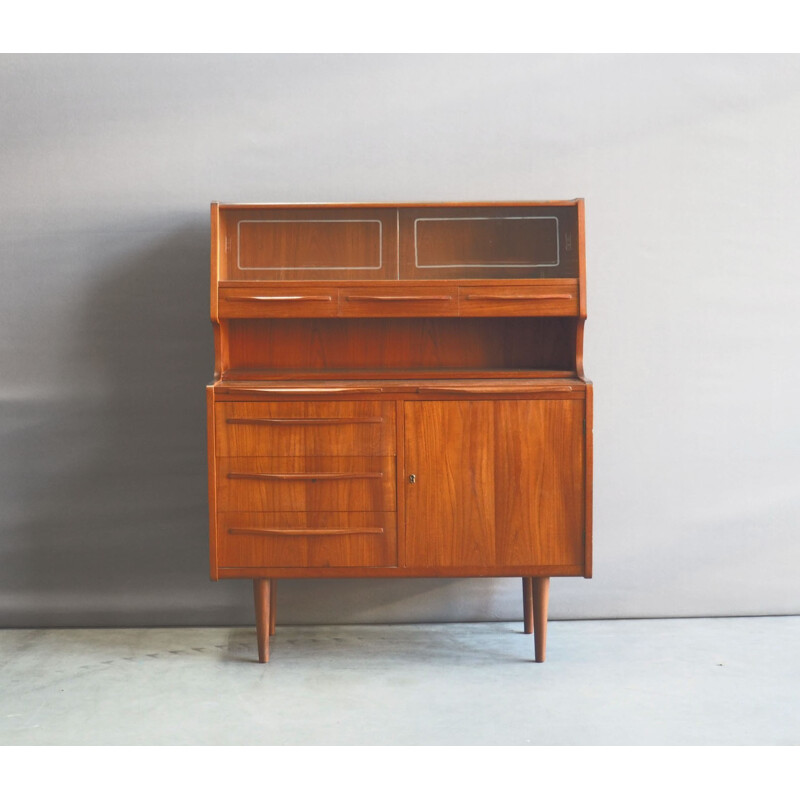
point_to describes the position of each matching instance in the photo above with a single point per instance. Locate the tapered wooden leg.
(527, 603)
(261, 593)
(273, 604)
(541, 594)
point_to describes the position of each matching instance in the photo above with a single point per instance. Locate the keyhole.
(412, 478)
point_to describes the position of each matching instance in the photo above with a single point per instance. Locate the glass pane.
(487, 242)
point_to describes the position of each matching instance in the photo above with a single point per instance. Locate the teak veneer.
(399, 392)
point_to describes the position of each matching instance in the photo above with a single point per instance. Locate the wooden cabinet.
(399, 392)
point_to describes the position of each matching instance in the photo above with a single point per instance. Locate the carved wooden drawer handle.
(303, 531)
(304, 420)
(405, 298)
(315, 389)
(282, 298)
(303, 476)
(519, 297)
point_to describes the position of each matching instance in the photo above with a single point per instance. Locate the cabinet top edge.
(459, 204)
(379, 386)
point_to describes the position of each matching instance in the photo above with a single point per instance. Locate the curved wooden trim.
(518, 297)
(490, 389)
(304, 531)
(402, 297)
(305, 390)
(304, 420)
(579, 349)
(281, 298)
(303, 476)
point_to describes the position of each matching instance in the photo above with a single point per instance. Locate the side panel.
(588, 543)
(212, 485)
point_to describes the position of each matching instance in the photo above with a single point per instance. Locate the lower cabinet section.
(485, 484)
(307, 539)
(420, 485)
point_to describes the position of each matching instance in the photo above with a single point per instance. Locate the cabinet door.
(306, 243)
(496, 483)
(489, 242)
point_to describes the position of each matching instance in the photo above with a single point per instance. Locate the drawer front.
(307, 539)
(398, 302)
(255, 303)
(519, 301)
(361, 428)
(314, 483)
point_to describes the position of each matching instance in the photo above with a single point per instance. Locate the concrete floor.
(679, 681)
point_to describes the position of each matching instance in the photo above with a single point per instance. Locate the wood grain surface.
(306, 483)
(399, 391)
(496, 482)
(308, 539)
(308, 428)
(350, 347)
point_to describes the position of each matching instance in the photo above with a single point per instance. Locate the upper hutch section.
(377, 291)
(389, 243)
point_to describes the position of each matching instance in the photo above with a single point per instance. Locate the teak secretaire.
(399, 392)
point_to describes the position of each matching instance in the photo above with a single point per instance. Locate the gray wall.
(689, 167)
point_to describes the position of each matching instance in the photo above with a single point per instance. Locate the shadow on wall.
(110, 484)
(113, 522)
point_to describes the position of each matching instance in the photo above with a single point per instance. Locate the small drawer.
(307, 539)
(359, 428)
(261, 303)
(398, 302)
(314, 483)
(518, 301)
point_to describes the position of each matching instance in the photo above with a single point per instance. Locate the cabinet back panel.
(354, 345)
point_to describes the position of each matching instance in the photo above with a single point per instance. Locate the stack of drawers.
(306, 484)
